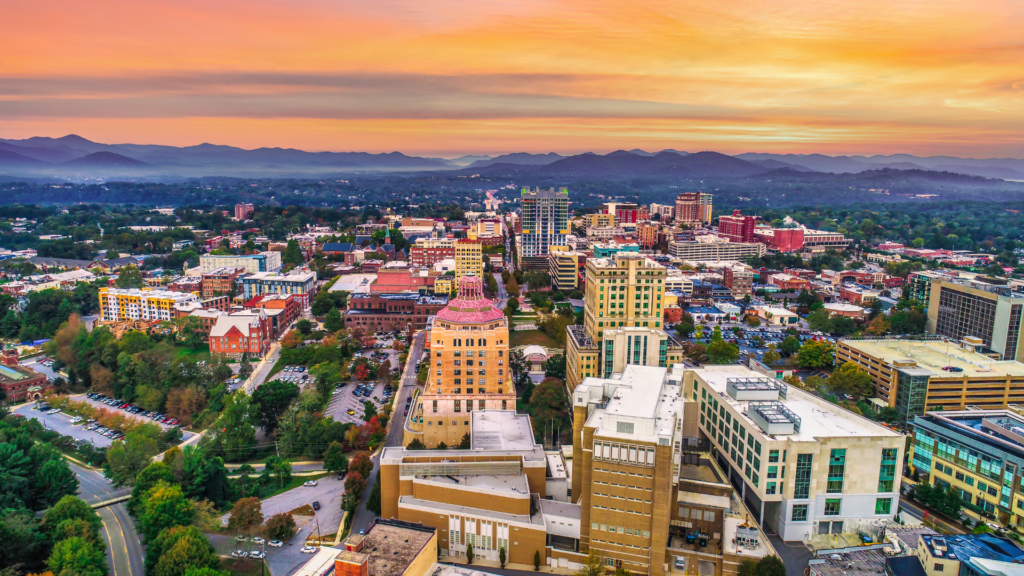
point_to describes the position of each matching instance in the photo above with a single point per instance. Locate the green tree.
(77, 557)
(189, 552)
(416, 444)
(790, 345)
(233, 433)
(129, 277)
(820, 320)
(304, 326)
(850, 379)
(722, 352)
(548, 407)
(554, 367)
(191, 331)
(53, 481)
(593, 565)
(70, 508)
(244, 367)
(536, 560)
(373, 504)
(501, 557)
(466, 443)
(771, 357)
(280, 469)
(335, 459)
(469, 553)
(369, 410)
(816, 354)
(770, 566)
(270, 401)
(293, 254)
(748, 567)
(334, 322)
(281, 526)
(165, 507)
(126, 458)
(246, 516)
(145, 481)
(325, 376)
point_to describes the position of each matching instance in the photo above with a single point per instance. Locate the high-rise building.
(623, 291)
(469, 259)
(468, 347)
(118, 304)
(625, 213)
(982, 307)
(253, 263)
(244, 211)
(693, 209)
(647, 234)
(665, 212)
(600, 220)
(564, 267)
(545, 223)
(737, 228)
(429, 251)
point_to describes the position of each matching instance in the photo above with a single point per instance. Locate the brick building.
(247, 331)
(221, 281)
(429, 251)
(647, 235)
(739, 281)
(693, 209)
(20, 383)
(737, 228)
(377, 312)
(244, 211)
(282, 309)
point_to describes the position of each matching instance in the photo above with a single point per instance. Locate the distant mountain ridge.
(75, 157)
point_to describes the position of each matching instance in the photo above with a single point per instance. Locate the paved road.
(395, 433)
(125, 554)
(262, 370)
(915, 510)
(794, 555)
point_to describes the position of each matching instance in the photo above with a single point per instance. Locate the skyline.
(454, 77)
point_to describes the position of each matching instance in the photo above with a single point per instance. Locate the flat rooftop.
(392, 548)
(535, 519)
(819, 418)
(640, 395)
(509, 483)
(933, 355)
(501, 430)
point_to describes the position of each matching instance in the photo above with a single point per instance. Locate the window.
(624, 427)
(769, 488)
(802, 486)
(799, 513)
(832, 506)
(938, 567)
(883, 506)
(773, 471)
(458, 405)
(887, 471)
(836, 469)
(773, 456)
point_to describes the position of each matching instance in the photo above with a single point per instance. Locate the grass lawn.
(199, 352)
(242, 566)
(527, 337)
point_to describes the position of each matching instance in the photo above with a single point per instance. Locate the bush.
(281, 527)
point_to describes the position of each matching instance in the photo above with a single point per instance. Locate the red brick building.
(282, 309)
(647, 235)
(20, 383)
(789, 282)
(187, 284)
(781, 239)
(740, 281)
(398, 279)
(248, 331)
(737, 228)
(429, 251)
(220, 281)
(387, 312)
(244, 211)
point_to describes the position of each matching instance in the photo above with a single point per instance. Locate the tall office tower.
(545, 224)
(469, 258)
(244, 211)
(737, 228)
(693, 209)
(623, 313)
(468, 347)
(984, 308)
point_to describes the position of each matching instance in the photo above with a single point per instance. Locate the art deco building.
(468, 368)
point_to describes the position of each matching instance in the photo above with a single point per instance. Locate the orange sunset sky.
(448, 77)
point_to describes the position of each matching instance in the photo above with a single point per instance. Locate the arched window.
(457, 342)
(469, 341)
(483, 342)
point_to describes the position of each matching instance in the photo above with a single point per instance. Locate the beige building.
(468, 368)
(981, 307)
(623, 291)
(805, 465)
(701, 251)
(600, 220)
(564, 267)
(469, 259)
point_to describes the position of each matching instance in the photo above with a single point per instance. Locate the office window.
(802, 485)
(773, 456)
(832, 506)
(883, 506)
(769, 488)
(887, 471)
(836, 469)
(799, 513)
(773, 471)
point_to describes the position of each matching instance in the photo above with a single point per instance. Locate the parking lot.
(61, 423)
(346, 399)
(139, 417)
(298, 375)
(754, 341)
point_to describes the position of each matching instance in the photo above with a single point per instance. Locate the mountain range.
(76, 158)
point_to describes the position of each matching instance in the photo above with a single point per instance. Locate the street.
(263, 368)
(124, 550)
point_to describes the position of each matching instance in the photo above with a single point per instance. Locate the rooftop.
(817, 418)
(640, 404)
(968, 547)
(393, 545)
(501, 430)
(933, 355)
(535, 519)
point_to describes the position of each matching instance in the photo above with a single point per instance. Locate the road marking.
(110, 544)
(124, 540)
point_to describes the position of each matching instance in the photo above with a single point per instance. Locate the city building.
(626, 290)
(489, 231)
(780, 239)
(19, 383)
(221, 281)
(609, 249)
(916, 376)
(647, 234)
(187, 284)
(776, 316)
(545, 223)
(968, 555)
(118, 305)
(706, 249)
(468, 367)
(469, 259)
(565, 268)
(985, 308)
(301, 283)
(252, 263)
(600, 220)
(693, 209)
(604, 232)
(624, 212)
(282, 309)
(801, 464)
(388, 548)
(243, 332)
(428, 251)
(978, 452)
(848, 310)
(244, 211)
(788, 282)
(376, 312)
(738, 280)
(737, 228)
(666, 212)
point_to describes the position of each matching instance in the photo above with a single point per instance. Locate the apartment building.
(243, 332)
(564, 266)
(693, 209)
(597, 233)
(301, 283)
(244, 211)
(545, 223)
(624, 212)
(600, 220)
(978, 452)
(429, 251)
(625, 291)
(666, 212)
(469, 259)
(647, 234)
(490, 231)
(118, 305)
(468, 368)
(801, 464)
(917, 376)
(252, 263)
(221, 281)
(740, 281)
(985, 308)
(737, 227)
(707, 251)
(282, 309)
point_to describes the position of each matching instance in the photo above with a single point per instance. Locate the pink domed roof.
(470, 306)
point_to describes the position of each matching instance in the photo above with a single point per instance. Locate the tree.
(334, 322)
(878, 327)
(304, 326)
(722, 352)
(369, 410)
(593, 565)
(191, 551)
(270, 401)
(748, 567)
(355, 484)
(770, 566)
(233, 433)
(790, 345)
(165, 507)
(850, 379)
(129, 277)
(53, 481)
(815, 354)
(752, 320)
(554, 367)
(126, 458)
(246, 516)
(293, 254)
(469, 553)
(512, 287)
(843, 326)
(77, 557)
(771, 357)
(536, 560)
(416, 444)
(373, 504)
(512, 306)
(361, 464)
(335, 459)
(244, 367)
(548, 409)
(281, 526)
(70, 509)
(466, 443)
(191, 331)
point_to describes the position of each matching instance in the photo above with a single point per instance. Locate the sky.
(451, 77)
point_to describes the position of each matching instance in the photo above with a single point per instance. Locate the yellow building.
(626, 290)
(469, 259)
(118, 304)
(468, 368)
(600, 220)
(564, 267)
(444, 284)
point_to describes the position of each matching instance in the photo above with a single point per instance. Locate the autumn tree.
(281, 526)
(355, 484)
(361, 464)
(246, 516)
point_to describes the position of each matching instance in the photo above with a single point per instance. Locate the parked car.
(238, 554)
(309, 550)
(257, 554)
(316, 505)
(309, 483)
(275, 543)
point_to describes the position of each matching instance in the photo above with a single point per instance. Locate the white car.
(259, 540)
(309, 483)
(275, 543)
(309, 550)
(257, 554)
(238, 554)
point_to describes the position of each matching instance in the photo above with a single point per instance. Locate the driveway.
(794, 555)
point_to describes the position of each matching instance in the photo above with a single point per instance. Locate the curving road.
(125, 554)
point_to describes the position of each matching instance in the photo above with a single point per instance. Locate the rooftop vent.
(755, 389)
(773, 417)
